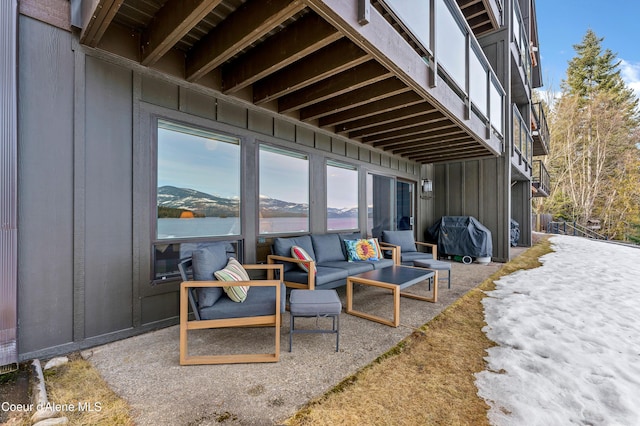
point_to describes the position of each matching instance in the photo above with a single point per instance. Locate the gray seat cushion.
(324, 275)
(314, 302)
(416, 255)
(404, 239)
(259, 301)
(379, 264)
(327, 247)
(352, 268)
(433, 264)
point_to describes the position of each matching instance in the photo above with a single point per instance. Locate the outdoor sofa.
(328, 256)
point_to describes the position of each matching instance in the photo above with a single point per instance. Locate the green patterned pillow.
(234, 272)
(359, 250)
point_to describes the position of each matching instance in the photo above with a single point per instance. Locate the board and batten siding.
(45, 184)
(475, 188)
(85, 173)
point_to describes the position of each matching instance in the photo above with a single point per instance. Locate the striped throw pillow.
(300, 253)
(234, 272)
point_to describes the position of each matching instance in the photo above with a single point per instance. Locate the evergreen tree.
(596, 70)
(594, 158)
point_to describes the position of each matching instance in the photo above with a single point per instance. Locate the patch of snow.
(568, 338)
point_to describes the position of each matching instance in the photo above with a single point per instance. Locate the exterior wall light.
(427, 186)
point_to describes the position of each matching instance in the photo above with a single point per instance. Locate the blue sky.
(563, 23)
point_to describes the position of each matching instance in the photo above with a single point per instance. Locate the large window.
(198, 181)
(390, 204)
(381, 204)
(342, 197)
(284, 191)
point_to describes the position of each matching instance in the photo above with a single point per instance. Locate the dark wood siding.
(45, 185)
(108, 193)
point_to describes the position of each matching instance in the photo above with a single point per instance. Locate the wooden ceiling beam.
(172, 22)
(365, 95)
(475, 15)
(424, 151)
(328, 61)
(386, 117)
(445, 157)
(403, 123)
(466, 3)
(305, 36)
(96, 18)
(357, 77)
(411, 140)
(377, 107)
(479, 21)
(485, 28)
(448, 143)
(473, 10)
(447, 130)
(419, 128)
(248, 23)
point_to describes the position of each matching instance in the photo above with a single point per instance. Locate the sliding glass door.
(404, 205)
(390, 204)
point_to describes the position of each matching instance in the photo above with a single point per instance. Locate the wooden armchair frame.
(395, 251)
(397, 255)
(265, 320)
(433, 247)
(311, 265)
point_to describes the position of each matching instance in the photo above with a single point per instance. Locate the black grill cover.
(461, 236)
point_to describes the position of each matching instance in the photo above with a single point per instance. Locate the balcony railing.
(575, 229)
(539, 130)
(447, 44)
(522, 140)
(541, 179)
(521, 39)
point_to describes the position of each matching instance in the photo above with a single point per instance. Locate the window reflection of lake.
(217, 226)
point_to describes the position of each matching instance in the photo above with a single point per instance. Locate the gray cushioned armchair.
(409, 247)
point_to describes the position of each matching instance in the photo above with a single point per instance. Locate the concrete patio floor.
(145, 371)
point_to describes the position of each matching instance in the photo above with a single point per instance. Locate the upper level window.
(198, 181)
(284, 191)
(342, 197)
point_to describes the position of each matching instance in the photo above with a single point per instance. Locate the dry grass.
(426, 379)
(79, 385)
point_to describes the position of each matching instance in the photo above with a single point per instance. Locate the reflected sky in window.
(195, 162)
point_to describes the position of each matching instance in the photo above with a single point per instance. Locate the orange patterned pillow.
(300, 253)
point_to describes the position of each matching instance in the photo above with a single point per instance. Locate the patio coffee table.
(394, 278)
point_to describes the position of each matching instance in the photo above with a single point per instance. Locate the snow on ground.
(568, 336)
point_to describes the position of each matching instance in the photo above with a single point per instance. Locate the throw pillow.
(206, 261)
(360, 250)
(234, 272)
(301, 254)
